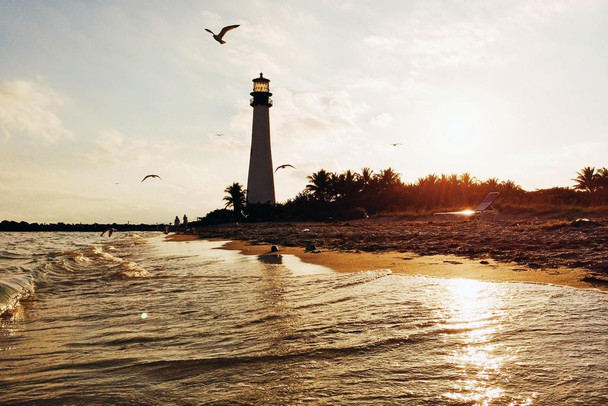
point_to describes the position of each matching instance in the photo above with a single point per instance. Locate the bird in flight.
(223, 32)
(109, 231)
(219, 135)
(396, 143)
(150, 176)
(284, 166)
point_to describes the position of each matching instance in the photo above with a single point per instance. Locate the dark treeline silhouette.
(352, 195)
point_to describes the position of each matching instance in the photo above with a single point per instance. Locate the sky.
(94, 95)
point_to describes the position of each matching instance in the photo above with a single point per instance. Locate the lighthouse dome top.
(261, 84)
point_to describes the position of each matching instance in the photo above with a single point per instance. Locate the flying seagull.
(219, 135)
(284, 166)
(150, 176)
(397, 143)
(109, 231)
(219, 36)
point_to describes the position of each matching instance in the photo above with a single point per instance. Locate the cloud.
(27, 109)
(317, 112)
(381, 120)
(544, 9)
(113, 147)
(383, 42)
(9, 176)
(302, 118)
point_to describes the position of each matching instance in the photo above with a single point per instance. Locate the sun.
(458, 125)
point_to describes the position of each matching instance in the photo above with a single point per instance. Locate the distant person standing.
(176, 222)
(185, 222)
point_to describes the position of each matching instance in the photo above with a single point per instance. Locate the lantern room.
(261, 84)
(261, 92)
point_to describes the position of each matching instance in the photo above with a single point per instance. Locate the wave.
(97, 259)
(363, 278)
(181, 368)
(47, 265)
(128, 270)
(12, 289)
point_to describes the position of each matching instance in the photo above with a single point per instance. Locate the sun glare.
(467, 212)
(458, 120)
(458, 129)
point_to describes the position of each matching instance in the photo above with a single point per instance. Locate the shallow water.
(137, 320)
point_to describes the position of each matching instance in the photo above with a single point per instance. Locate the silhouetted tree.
(235, 198)
(603, 177)
(467, 181)
(320, 184)
(388, 178)
(366, 177)
(491, 184)
(587, 180)
(344, 185)
(602, 185)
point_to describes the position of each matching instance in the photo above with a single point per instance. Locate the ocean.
(134, 319)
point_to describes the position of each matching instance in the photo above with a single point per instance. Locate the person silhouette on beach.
(185, 222)
(176, 222)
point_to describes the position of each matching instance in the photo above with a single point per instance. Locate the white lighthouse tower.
(260, 181)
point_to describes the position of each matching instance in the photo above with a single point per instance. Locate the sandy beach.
(562, 252)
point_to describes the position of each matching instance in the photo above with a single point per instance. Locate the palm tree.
(509, 186)
(587, 180)
(345, 185)
(366, 176)
(492, 183)
(320, 185)
(602, 180)
(453, 180)
(388, 177)
(428, 181)
(466, 180)
(235, 198)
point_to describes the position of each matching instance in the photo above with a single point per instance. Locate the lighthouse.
(260, 181)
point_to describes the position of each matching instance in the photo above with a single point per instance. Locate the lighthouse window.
(260, 86)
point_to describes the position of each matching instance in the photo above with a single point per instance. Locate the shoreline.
(410, 263)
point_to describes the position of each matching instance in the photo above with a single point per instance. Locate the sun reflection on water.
(471, 319)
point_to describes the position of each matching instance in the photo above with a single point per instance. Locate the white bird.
(109, 231)
(284, 166)
(150, 176)
(223, 32)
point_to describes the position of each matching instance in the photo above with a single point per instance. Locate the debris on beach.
(543, 243)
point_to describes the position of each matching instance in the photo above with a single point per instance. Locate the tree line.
(351, 195)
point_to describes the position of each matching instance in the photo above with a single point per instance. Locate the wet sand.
(562, 252)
